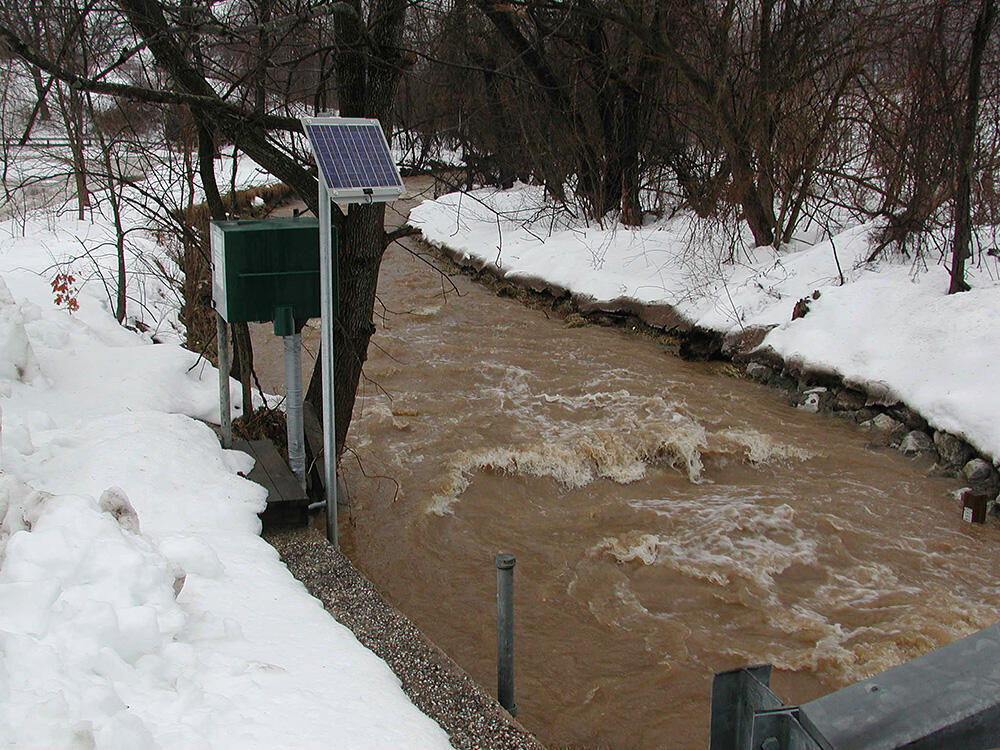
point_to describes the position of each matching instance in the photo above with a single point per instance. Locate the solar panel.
(353, 158)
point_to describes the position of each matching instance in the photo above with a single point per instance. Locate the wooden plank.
(287, 502)
(256, 474)
(282, 479)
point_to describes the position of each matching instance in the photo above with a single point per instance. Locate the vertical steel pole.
(225, 407)
(295, 429)
(326, 261)
(505, 632)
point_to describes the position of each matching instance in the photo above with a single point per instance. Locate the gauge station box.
(266, 270)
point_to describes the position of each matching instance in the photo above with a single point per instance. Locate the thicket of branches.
(180, 79)
(776, 113)
(766, 114)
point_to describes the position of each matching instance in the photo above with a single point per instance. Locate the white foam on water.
(621, 455)
(381, 412)
(913, 623)
(725, 540)
(634, 546)
(862, 585)
(854, 622)
(807, 589)
(871, 616)
(757, 447)
(615, 435)
(427, 310)
(512, 388)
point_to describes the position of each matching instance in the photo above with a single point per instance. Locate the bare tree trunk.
(264, 42)
(242, 368)
(966, 143)
(590, 179)
(114, 197)
(370, 62)
(631, 207)
(757, 211)
(206, 169)
(637, 104)
(148, 20)
(360, 256)
(71, 108)
(758, 215)
(367, 87)
(506, 147)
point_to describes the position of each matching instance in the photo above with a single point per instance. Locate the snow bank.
(889, 325)
(139, 607)
(39, 175)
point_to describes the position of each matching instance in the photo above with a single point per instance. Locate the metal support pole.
(505, 632)
(326, 261)
(225, 407)
(295, 428)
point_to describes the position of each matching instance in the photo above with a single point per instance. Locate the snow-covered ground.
(37, 177)
(888, 326)
(139, 608)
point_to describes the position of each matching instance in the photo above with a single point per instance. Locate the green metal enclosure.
(266, 270)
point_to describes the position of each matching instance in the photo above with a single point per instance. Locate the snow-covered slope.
(139, 608)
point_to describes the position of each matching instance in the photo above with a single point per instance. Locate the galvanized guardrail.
(947, 699)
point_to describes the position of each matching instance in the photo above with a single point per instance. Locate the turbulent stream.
(669, 522)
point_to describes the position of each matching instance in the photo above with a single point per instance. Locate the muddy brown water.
(669, 522)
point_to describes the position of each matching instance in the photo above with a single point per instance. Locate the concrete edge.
(437, 686)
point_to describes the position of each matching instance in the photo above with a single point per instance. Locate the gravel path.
(435, 684)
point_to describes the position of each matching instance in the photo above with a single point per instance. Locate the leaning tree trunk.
(758, 209)
(367, 81)
(360, 255)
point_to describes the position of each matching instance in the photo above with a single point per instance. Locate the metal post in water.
(326, 261)
(505, 632)
(225, 407)
(295, 428)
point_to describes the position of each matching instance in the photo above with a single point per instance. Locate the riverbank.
(879, 344)
(437, 686)
(139, 606)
